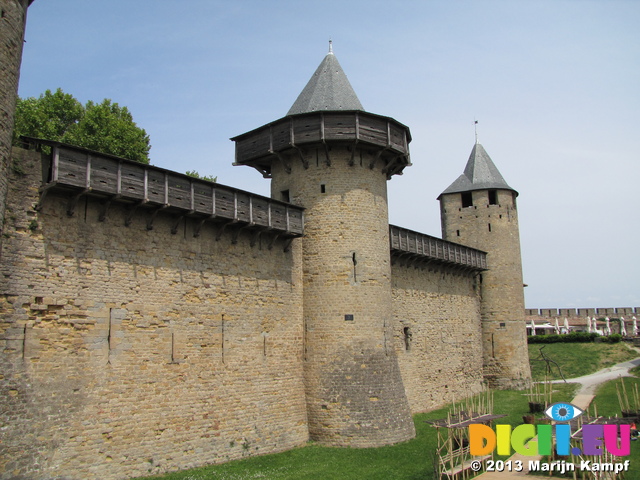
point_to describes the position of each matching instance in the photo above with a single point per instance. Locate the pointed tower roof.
(328, 90)
(479, 174)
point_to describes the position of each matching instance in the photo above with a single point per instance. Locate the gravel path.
(590, 382)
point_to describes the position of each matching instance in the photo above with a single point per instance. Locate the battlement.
(420, 247)
(581, 312)
(79, 172)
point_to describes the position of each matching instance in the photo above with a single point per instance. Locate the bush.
(575, 337)
(615, 338)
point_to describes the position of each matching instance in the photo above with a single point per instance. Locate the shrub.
(615, 338)
(575, 337)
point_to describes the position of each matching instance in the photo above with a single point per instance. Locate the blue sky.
(553, 84)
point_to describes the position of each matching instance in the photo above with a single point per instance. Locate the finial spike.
(475, 127)
(330, 46)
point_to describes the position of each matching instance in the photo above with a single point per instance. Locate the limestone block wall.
(492, 226)
(437, 334)
(12, 22)
(355, 395)
(126, 351)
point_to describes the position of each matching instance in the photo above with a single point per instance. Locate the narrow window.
(489, 227)
(323, 188)
(355, 263)
(407, 338)
(458, 233)
(467, 199)
(285, 196)
(493, 197)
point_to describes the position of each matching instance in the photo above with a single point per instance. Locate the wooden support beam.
(44, 190)
(132, 210)
(198, 227)
(274, 237)
(255, 238)
(152, 217)
(221, 230)
(285, 164)
(287, 244)
(353, 153)
(174, 228)
(73, 201)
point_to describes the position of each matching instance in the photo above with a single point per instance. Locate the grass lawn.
(578, 359)
(410, 460)
(607, 404)
(413, 460)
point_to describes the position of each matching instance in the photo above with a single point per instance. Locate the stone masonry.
(493, 226)
(129, 351)
(354, 387)
(139, 336)
(13, 15)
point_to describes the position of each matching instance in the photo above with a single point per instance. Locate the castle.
(151, 321)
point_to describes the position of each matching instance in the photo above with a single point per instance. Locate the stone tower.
(479, 210)
(333, 158)
(13, 16)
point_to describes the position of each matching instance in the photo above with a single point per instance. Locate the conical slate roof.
(479, 174)
(329, 89)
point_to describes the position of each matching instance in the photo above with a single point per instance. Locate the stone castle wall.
(12, 22)
(437, 334)
(127, 352)
(534, 313)
(492, 225)
(355, 394)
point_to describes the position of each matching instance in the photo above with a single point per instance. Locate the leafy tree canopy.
(105, 127)
(195, 174)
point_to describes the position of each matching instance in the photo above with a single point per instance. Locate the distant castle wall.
(437, 333)
(139, 349)
(582, 312)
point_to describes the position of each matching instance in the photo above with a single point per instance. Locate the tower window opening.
(458, 233)
(284, 194)
(355, 263)
(323, 188)
(493, 197)
(489, 227)
(407, 338)
(467, 199)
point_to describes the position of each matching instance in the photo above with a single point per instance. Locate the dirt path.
(590, 382)
(583, 398)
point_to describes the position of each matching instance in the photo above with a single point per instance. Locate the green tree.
(50, 116)
(105, 127)
(195, 174)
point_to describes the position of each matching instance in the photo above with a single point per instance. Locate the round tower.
(334, 159)
(479, 210)
(13, 15)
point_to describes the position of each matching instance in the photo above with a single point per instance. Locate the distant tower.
(479, 210)
(333, 158)
(13, 15)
